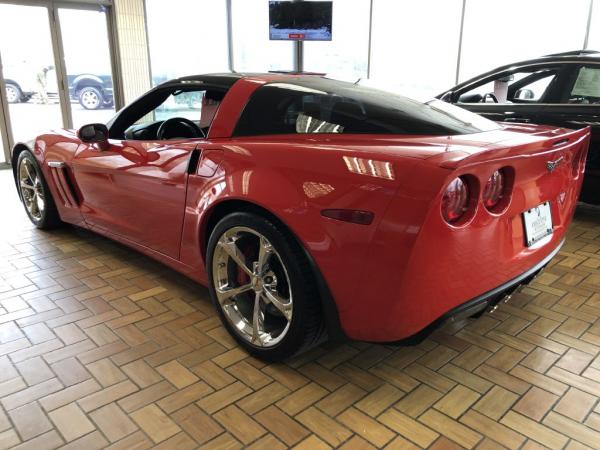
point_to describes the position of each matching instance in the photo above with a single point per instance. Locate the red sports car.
(312, 207)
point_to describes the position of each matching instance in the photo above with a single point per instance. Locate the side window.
(197, 106)
(586, 89)
(518, 87)
(319, 105)
(179, 104)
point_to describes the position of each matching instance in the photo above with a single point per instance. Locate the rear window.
(320, 105)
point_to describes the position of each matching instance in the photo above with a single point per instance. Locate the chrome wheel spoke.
(33, 207)
(264, 251)
(258, 321)
(235, 254)
(226, 294)
(31, 176)
(262, 271)
(32, 191)
(283, 306)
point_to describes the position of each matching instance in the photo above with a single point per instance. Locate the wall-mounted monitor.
(300, 21)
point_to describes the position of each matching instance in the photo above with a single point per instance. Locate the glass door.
(88, 67)
(3, 153)
(28, 70)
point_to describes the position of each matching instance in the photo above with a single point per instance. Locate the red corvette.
(312, 207)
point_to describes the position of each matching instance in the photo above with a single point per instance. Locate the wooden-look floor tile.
(536, 403)
(155, 423)
(101, 347)
(71, 422)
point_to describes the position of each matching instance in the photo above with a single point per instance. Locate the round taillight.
(494, 190)
(455, 200)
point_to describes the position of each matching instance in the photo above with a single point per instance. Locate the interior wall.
(133, 48)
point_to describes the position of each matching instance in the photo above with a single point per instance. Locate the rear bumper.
(484, 301)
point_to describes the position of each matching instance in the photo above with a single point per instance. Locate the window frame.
(549, 95)
(148, 103)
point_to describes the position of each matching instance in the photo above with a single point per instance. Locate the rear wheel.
(13, 93)
(262, 287)
(35, 195)
(90, 98)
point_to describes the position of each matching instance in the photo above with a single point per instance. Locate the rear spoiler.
(525, 144)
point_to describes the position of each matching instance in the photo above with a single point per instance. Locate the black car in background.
(91, 91)
(561, 89)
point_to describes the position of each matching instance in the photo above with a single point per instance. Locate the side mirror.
(95, 133)
(524, 94)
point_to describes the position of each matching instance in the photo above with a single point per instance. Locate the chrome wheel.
(12, 94)
(90, 100)
(32, 190)
(252, 286)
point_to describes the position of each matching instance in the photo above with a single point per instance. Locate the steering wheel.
(490, 95)
(176, 126)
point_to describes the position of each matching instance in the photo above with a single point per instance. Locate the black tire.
(49, 216)
(306, 327)
(13, 93)
(91, 98)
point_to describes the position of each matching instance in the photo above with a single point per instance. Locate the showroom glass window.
(252, 49)
(415, 45)
(186, 37)
(346, 55)
(498, 33)
(594, 37)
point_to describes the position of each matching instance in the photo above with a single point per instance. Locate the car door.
(135, 190)
(519, 95)
(135, 186)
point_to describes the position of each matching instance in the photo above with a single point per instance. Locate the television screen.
(300, 21)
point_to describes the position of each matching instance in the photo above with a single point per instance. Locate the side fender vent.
(64, 186)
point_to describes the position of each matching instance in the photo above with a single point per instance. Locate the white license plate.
(538, 223)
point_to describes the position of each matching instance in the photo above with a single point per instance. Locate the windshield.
(320, 105)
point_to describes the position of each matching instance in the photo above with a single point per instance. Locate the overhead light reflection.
(312, 189)
(370, 167)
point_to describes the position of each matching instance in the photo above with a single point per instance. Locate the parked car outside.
(561, 90)
(91, 91)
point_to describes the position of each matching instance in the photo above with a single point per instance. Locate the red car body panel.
(389, 279)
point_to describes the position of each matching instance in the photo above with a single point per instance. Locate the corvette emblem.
(551, 165)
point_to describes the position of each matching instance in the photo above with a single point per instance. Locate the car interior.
(170, 115)
(586, 89)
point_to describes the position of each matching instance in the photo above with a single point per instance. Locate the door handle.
(585, 123)
(517, 120)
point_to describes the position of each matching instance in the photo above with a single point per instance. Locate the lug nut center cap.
(257, 284)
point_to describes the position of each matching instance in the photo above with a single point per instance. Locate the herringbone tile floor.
(102, 347)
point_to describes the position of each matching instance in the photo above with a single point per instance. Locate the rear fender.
(296, 198)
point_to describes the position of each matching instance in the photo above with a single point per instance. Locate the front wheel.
(262, 286)
(13, 93)
(90, 98)
(34, 192)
